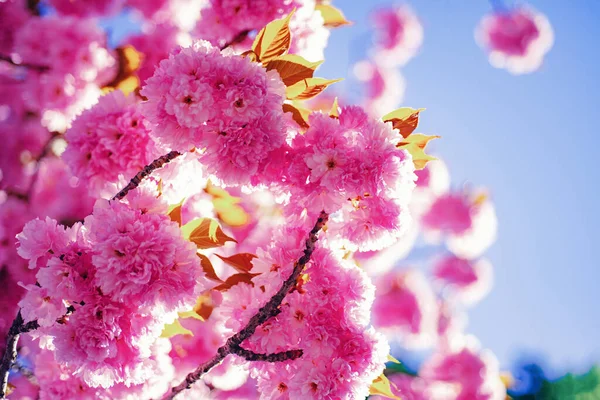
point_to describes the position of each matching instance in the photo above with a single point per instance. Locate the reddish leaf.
(404, 119)
(205, 233)
(234, 280)
(292, 68)
(241, 262)
(208, 269)
(299, 115)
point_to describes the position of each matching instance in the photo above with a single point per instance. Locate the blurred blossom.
(516, 40)
(384, 87)
(399, 35)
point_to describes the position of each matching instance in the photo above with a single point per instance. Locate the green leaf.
(174, 329)
(573, 387)
(205, 233)
(381, 387)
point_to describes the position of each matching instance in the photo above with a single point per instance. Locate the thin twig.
(10, 353)
(239, 38)
(148, 169)
(267, 311)
(273, 357)
(37, 67)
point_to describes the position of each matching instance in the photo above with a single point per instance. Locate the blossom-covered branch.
(148, 169)
(10, 353)
(232, 346)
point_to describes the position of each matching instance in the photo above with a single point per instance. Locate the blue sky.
(533, 141)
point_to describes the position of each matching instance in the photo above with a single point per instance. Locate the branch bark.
(37, 67)
(269, 310)
(148, 169)
(10, 353)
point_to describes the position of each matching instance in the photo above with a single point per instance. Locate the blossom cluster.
(352, 167)
(398, 36)
(327, 317)
(106, 287)
(226, 106)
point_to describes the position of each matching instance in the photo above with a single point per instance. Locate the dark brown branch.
(239, 38)
(37, 67)
(26, 372)
(148, 169)
(267, 311)
(10, 353)
(273, 357)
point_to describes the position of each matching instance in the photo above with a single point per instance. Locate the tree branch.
(273, 357)
(10, 353)
(37, 67)
(267, 311)
(148, 169)
(239, 38)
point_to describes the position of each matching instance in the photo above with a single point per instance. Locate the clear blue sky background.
(533, 141)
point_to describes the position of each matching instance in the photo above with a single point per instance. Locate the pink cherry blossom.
(516, 39)
(89, 8)
(222, 20)
(141, 255)
(470, 279)
(226, 103)
(399, 35)
(384, 87)
(110, 140)
(476, 372)
(155, 44)
(406, 307)
(40, 240)
(13, 14)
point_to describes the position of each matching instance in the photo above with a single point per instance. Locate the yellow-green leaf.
(273, 40)
(308, 88)
(404, 119)
(201, 311)
(292, 68)
(381, 387)
(226, 206)
(332, 16)
(392, 359)
(299, 114)
(205, 233)
(174, 329)
(174, 212)
(241, 262)
(415, 145)
(335, 109)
